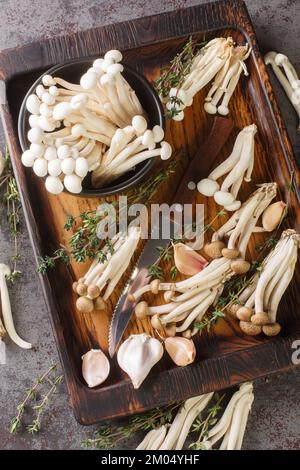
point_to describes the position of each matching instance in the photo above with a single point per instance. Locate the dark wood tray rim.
(36, 56)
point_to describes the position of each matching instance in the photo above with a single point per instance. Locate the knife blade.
(199, 167)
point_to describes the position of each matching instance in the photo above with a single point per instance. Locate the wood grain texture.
(224, 356)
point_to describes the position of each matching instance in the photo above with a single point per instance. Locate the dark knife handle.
(202, 163)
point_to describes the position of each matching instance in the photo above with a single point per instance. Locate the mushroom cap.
(208, 187)
(148, 139)
(77, 101)
(74, 286)
(68, 166)
(97, 64)
(78, 130)
(33, 120)
(99, 303)
(88, 81)
(27, 158)
(39, 90)
(223, 110)
(223, 198)
(156, 323)
(84, 305)
(47, 98)
(170, 330)
(81, 289)
(250, 329)
(54, 167)
(141, 310)
(155, 286)
(61, 110)
(166, 150)
(113, 54)
(139, 124)
(50, 153)
(230, 253)
(45, 111)
(233, 309)
(53, 90)
(48, 80)
(272, 329)
(63, 151)
(280, 58)
(93, 291)
(113, 69)
(33, 104)
(214, 249)
(40, 167)
(81, 167)
(210, 108)
(240, 266)
(179, 116)
(35, 135)
(73, 183)
(260, 318)
(45, 124)
(158, 133)
(244, 313)
(53, 185)
(37, 150)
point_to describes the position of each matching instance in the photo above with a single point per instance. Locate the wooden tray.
(224, 356)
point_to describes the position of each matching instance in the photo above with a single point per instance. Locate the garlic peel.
(188, 261)
(95, 367)
(181, 350)
(137, 355)
(272, 215)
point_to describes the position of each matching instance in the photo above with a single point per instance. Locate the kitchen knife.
(199, 167)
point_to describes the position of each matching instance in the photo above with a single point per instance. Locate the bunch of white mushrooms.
(129, 147)
(218, 60)
(238, 167)
(230, 427)
(243, 223)
(287, 76)
(257, 305)
(73, 125)
(104, 275)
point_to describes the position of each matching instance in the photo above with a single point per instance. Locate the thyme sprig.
(205, 421)
(31, 394)
(108, 437)
(11, 200)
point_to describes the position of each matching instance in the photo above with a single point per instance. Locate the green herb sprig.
(205, 421)
(108, 437)
(31, 394)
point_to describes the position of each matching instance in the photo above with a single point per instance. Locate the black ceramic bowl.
(72, 71)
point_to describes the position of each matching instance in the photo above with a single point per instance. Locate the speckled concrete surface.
(275, 419)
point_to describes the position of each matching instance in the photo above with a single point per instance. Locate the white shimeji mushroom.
(289, 79)
(238, 167)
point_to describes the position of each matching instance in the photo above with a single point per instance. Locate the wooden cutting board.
(224, 355)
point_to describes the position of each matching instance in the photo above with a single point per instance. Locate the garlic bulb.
(272, 215)
(95, 367)
(187, 261)
(137, 355)
(181, 350)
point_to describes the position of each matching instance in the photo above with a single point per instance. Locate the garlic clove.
(181, 350)
(137, 355)
(95, 367)
(273, 215)
(188, 261)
